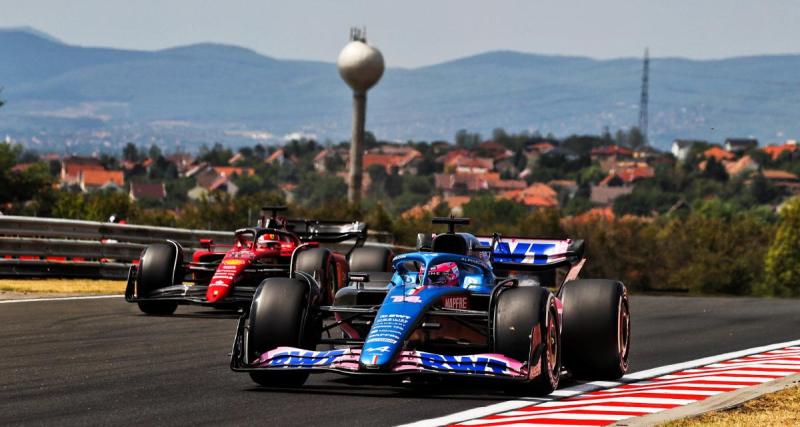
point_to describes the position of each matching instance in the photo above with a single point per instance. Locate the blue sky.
(413, 33)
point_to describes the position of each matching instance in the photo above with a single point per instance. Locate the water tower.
(361, 66)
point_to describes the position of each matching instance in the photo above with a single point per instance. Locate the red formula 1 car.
(226, 276)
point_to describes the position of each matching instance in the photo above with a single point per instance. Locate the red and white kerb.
(653, 395)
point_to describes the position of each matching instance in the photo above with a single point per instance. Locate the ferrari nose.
(216, 293)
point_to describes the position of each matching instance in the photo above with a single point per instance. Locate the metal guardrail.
(51, 247)
(24, 226)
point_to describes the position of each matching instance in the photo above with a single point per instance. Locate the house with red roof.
(743, 166)
(147, 191)
(740, 145)
(492, 149)
(277, 157)
(71, 168)
(628, 173)
(233, 170)
(537, 195)
(93, 179)
(775, 151)
(718, 154)
(454, 203)
(459, 184)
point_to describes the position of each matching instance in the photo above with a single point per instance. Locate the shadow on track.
(210, 314)
(447, 389)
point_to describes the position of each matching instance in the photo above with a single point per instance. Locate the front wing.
(409, 362)
(191, 293)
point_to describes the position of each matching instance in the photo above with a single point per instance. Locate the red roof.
(612, 150)
(536, 195)
(99, 178)
(394, 159)
(230, 170)
(148, 190)
(278, 154)
(775, 151)
(718, 153)
(779, 175)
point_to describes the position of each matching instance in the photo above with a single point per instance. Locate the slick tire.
(519, 313)
(158, 267)
(371, 259)
(597, 329)
(280, 315)
(319, 263)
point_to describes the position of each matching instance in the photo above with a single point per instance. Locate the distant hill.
(51, 86)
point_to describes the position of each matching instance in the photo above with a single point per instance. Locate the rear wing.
(520, 253)
(328, 231)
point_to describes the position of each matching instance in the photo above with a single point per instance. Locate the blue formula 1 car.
(484, 307)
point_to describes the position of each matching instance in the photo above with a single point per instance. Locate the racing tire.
(158, 268)
(371, 259)
(519, 313)
(597, 329)
(319, 263)
(280, 315)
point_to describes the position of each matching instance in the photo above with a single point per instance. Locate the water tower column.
(360, 66)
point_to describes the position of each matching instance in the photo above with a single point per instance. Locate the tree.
(131, 153)
(715, 170)
(218, 155)
(466, 139)
(154, 152)
(761, 189)
(782, 262)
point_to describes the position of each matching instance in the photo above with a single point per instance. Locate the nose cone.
(216, 293)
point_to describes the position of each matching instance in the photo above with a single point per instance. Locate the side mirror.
(358, 277)
(207, 243)
(424, 242)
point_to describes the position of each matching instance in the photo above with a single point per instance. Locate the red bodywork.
(269, 249)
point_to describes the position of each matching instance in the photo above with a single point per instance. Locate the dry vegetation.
(776, 409)
(63, 286)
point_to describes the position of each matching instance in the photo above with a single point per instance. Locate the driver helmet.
(444, 274)
(264, 240)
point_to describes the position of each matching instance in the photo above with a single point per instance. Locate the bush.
(782, 263)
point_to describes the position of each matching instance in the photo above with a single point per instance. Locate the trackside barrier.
(51, 247)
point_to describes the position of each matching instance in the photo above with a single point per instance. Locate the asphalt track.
(100, 362)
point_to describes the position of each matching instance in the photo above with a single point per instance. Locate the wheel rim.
(552, 347)
(623, 331)
(330, 281)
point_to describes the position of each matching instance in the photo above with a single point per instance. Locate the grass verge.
(63, 286)
(781, 408)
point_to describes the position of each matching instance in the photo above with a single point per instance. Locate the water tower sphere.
(360, 65)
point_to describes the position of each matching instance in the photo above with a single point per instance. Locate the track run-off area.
(93, 361)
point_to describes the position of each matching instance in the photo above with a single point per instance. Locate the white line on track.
(12, 301)
(593, 386)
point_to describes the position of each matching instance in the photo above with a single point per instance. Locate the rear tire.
(597, 329)
(280, 316)
(371, 259)
(319, 263)
(158, 267)
(518, 312)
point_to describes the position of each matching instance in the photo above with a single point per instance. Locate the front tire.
(519, 313)
(280, 315)
(319, 263)
(158, 267)
(597, 329)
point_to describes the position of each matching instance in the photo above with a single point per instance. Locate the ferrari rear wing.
(328, 231)
(521, 253)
